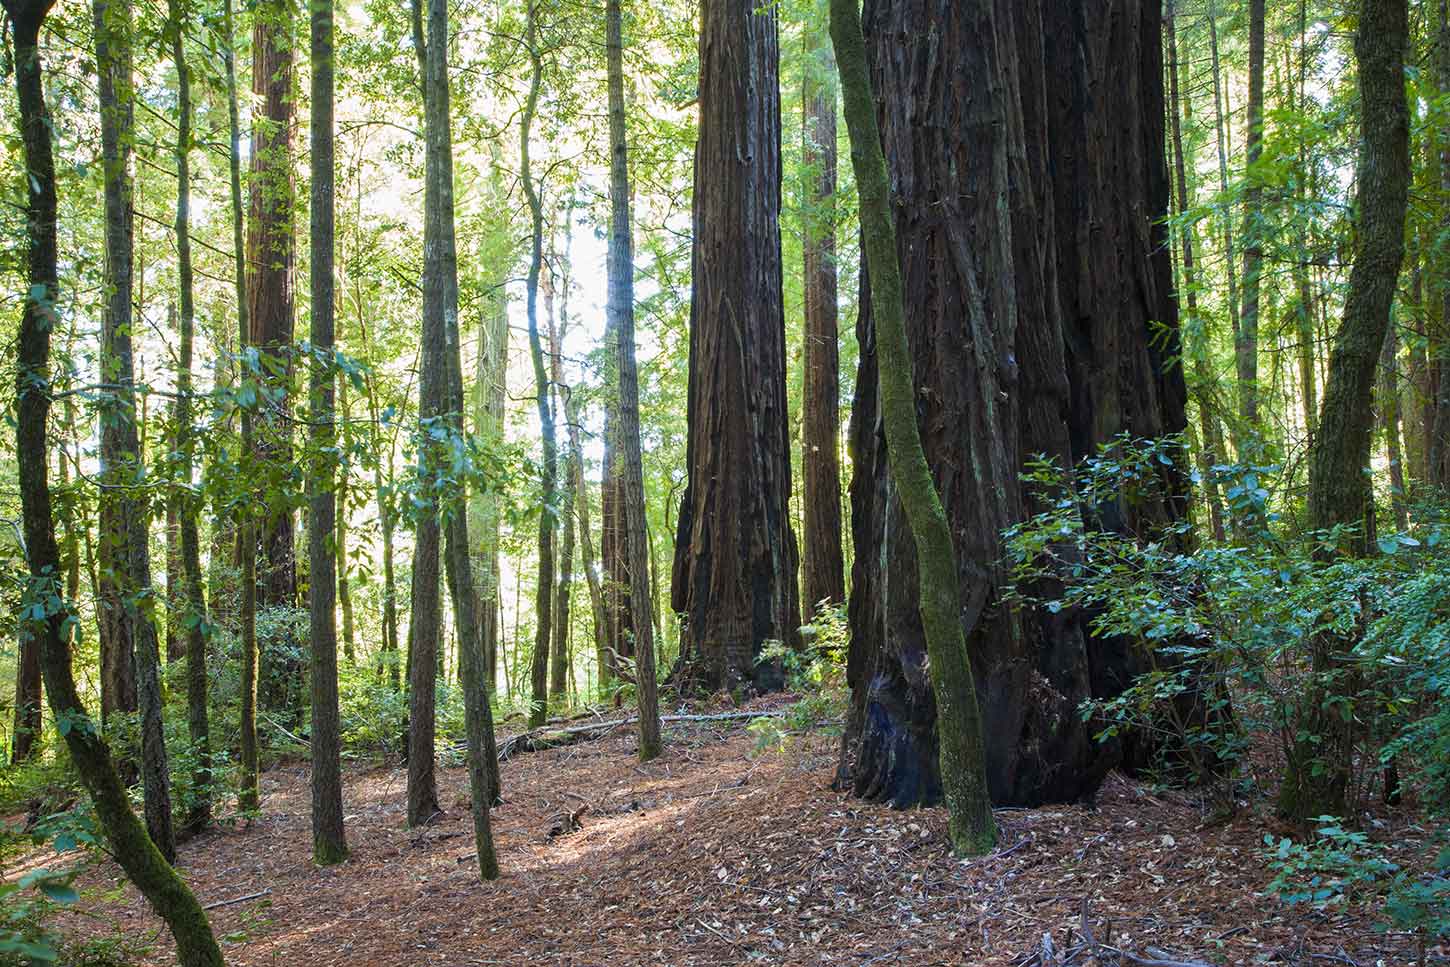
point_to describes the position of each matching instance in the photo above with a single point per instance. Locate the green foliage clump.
(817, 672)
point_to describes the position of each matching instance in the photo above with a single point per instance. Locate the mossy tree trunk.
(959, 722)
(1316, 777)
(125, 541)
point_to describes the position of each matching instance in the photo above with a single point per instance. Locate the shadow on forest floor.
(713, 856)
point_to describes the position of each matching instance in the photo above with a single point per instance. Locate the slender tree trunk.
(329, 841)
(1388, 404)
(248, 795)
(1246, 345)
(823, 569)
(425, 621)
(129, 842)
(1437, 450)
(28, 720)
(1212, 450)
(190, 599)
(344, 586)
(1317, 774)
(960, 747)
(558, 325)
(620, 308)
(736, 558)
(1221, 141)
(1304, 312)
(544, 594)
(126, 564)
(441, 351)
(489, 416)
(586, 541)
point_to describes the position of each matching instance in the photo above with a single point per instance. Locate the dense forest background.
(412, 373)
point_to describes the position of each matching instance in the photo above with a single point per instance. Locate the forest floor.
(715, 854)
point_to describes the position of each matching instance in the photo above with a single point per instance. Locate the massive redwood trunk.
(735, 563)
(1033, 319)
(823, 574)
(271, 254)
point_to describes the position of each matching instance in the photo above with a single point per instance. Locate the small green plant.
(817, 672)
(1335, 867)
(25, 904)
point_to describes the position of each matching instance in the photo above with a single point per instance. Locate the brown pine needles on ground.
(714, 855)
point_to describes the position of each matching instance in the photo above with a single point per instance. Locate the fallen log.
(538, 740)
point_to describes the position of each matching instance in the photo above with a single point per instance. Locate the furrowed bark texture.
(960, 748)
(823, 574)
(736, 556)
(1031, 318)
(271, 257)
(441, 294)
(129, 842)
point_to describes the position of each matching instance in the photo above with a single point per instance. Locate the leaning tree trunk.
(620, 308)
(960, 749)
(190, 599)
(125, 541)
(822, 569)
(271, 253)
(329, 840)
(736, 555)
(442, 352)
(129, 843)
(1317, 771)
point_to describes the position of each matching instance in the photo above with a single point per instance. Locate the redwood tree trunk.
(1033, 296)
(736, 556)
(271, 253)
(823, 573)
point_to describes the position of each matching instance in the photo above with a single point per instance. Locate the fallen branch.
(554, 738)
(235, 900)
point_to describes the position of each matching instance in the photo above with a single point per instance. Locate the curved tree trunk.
(736, 555)
(129, 843)
(1317, 772)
